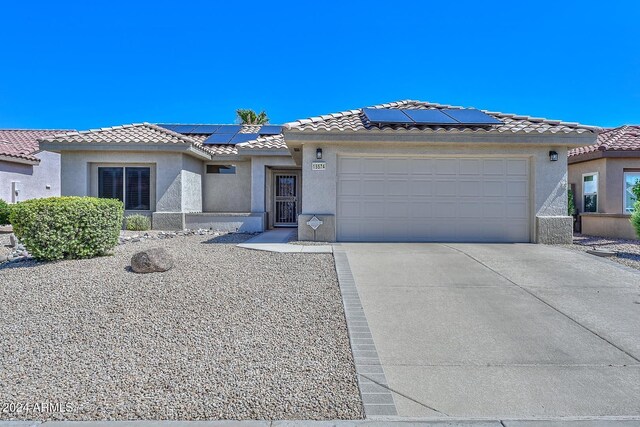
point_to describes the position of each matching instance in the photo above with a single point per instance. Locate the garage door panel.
(372, 209)
(517, 167)
(446, 166)
(349, 187)
(420, 187)
(398, 187)
(493, 188)
(398, 166)
(349, 165)
(433, 199)
(493, 167)
(470, 166)
(349, 209)
(373, 165)
(446, 188)
(469, 188)
(517, 188)
(373, 187)
(421, 166)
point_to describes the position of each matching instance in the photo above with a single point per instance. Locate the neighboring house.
(25, 171)
(602, 175)
(403, 171)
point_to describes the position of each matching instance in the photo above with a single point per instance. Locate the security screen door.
(286, 199)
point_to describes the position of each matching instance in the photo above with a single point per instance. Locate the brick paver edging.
(376, 396)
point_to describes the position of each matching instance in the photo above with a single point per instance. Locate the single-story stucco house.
(602, 175)
(402, 171)
(25, 171)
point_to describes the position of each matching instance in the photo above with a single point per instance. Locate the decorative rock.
(12, 240)
(151, 260)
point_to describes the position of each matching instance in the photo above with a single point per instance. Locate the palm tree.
(249, 117)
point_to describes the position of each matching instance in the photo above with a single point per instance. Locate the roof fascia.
(18, 160)
(569, 140)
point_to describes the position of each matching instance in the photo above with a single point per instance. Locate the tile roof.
(623, 138)
(23, 143)
(147, 133)
(267, 142)
(137, 133)
(355, 120)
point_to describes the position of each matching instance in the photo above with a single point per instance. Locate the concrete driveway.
(501, 330)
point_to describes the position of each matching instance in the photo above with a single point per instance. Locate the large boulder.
(151, 260)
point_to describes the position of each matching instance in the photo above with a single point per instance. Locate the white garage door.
(433, 199)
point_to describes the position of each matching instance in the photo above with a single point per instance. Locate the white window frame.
(597, 175)
(624, 190)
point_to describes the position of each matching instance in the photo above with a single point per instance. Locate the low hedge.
(5, 209)
(138, 222)
(67, 227)
(635, 218)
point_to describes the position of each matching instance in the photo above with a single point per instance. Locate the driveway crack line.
(545, 303)
(405, 396)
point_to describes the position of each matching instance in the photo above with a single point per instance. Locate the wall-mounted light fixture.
(319, 154)
(553, 156)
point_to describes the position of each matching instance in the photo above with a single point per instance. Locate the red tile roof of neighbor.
(623, 138)
(23, 143)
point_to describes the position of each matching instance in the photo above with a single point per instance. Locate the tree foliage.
(250, 117)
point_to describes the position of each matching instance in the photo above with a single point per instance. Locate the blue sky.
(93, 64)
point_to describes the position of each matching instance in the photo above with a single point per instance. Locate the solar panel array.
(445, 116)
(223, 134)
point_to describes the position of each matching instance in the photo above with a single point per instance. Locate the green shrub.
(571, 203)
(67, 227)
(635, 217)
(5, 210)
(138, 222)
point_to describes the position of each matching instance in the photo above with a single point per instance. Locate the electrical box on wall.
(15, 191)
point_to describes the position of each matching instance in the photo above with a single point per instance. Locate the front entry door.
(286, 199)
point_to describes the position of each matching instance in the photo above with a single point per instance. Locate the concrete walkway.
(563, 422)
(501, 331)
(278, 241)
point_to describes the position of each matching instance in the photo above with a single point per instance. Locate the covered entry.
(456, 199)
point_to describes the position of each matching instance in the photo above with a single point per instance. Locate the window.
(131, 185)
(222, 169)
(590, 192)
(630, 179)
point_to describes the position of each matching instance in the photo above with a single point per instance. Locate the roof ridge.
(32, 130)
(407, 102)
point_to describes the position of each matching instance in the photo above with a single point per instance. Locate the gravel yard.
(628, 250)
(228, 333)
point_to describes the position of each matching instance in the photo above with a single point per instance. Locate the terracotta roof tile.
(138, 133)
(23, 143)
(623, 138)
(355, 120)
(268, 142)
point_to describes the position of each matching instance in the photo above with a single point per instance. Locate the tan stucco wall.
(76, 176)
(608, 225)
(33, 179)
(611, 181)
(576, 170)
(228, 193)
(548, 179)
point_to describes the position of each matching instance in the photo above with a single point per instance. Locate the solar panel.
(202, 129)
(219, 138)
(169, 127)
(244, 137)
(430, 117)
(228, 129)
(471, 116)
(270, 130)
(385, 115)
